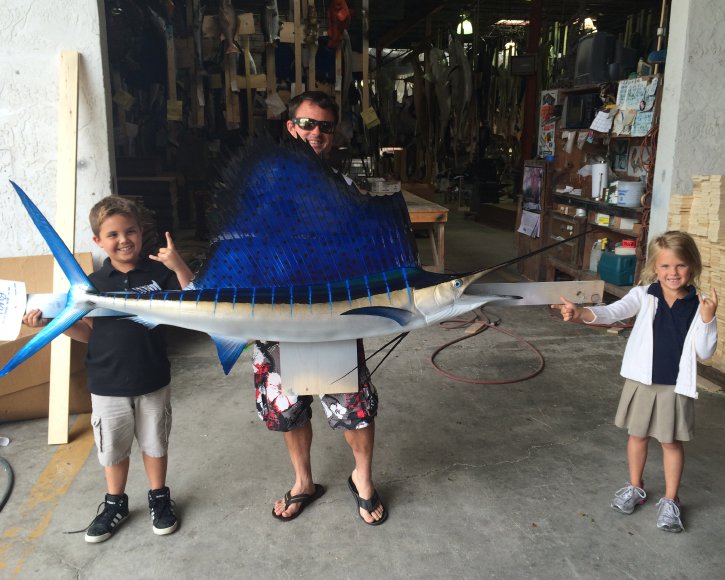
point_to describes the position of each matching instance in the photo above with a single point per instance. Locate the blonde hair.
(110, 206)
(683, 246)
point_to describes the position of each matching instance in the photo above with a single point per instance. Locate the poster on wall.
(546, 139)
(550, 102)
(532, 187)
(639, 159)
(619, 153)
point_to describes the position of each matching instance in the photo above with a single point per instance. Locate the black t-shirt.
(669, 329)
(126, 359)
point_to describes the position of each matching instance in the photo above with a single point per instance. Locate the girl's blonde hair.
(683, 246)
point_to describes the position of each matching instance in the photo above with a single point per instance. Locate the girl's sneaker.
(668, 515)
(627, 498)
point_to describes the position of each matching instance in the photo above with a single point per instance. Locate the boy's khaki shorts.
(116, 420)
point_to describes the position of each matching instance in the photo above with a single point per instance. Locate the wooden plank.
(338, 77)
(65, 220)
(248, 87)
(312, 68)
(299, 35)
(270, 76)
(259, 81)
(170, 64)
(365, 56)
(231, 90)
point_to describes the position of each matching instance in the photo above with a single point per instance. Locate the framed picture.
(532, 186)
(619, 154)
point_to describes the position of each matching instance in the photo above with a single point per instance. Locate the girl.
(675, 324)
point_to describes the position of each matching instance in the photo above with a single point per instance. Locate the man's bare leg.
(362, 441)
(299, 443)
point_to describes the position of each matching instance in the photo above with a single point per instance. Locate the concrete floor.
(481, 481)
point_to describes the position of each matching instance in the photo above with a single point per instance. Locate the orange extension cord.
(485, 324)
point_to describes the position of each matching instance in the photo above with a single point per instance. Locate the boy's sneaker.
(627, 498)
(668, 515)
(115, 511)
(162, 511)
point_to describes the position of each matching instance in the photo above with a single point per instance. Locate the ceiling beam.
(395, 33)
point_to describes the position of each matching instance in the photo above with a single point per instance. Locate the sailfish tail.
(79, 282)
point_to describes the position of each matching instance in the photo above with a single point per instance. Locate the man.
(313, 117)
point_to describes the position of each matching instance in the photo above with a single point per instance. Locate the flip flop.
(369, 505)
(304, 499)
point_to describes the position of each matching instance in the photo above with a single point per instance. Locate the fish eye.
(457, 283)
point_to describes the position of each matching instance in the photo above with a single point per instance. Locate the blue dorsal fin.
(283, 217)
(398, 315)
(228, 350)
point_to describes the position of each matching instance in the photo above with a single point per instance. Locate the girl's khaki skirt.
(655, 411)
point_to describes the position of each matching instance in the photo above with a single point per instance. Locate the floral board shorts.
(284, 411)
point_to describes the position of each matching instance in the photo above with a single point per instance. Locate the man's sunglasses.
(309, 124)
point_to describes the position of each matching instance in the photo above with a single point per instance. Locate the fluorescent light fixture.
(465, 27)
(512, 23)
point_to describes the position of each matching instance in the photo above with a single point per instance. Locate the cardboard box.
(381, 185)
(24, 391)
(564, 208)
(621, 223)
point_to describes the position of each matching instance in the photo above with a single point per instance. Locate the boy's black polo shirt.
(125, 359)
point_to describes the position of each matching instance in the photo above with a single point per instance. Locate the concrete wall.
(692, 125)
(32, 35)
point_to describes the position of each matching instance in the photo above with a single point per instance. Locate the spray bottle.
(596, 254)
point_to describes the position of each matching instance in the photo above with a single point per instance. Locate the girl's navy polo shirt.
(125, 359)
(669, 329)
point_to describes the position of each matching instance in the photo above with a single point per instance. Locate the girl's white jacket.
(700, 341)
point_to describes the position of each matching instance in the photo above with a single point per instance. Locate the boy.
(128, 370)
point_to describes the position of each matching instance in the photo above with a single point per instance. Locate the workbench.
(427, 215)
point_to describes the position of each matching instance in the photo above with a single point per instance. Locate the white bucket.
(629, 193)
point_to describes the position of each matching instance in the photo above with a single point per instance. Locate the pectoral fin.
(228, 350)
(399, 315)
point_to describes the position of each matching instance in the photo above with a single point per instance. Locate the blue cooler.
(616, 269)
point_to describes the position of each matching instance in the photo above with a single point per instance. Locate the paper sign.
(529, 224)
(642, 123)
(602, 122)
(370, 118)
(319, 367)
(174, 110)
(12, 308)
(124, 100)
(275, 106)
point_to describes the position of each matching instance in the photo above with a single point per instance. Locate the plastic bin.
(616, 269)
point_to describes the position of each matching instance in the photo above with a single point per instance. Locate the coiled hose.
(5, 464)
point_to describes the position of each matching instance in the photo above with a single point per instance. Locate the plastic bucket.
(629, 193)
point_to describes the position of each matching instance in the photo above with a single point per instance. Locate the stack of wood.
(679, 216)
(702, 215)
